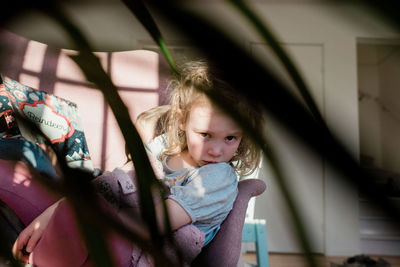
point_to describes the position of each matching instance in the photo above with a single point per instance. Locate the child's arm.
(177, 215)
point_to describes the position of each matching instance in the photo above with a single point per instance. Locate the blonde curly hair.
(188, 88)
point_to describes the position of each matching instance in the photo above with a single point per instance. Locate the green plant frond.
(143, 169)
(74, 192)
(281, 179)
(76, 186)
(250, 78)
(96, 244)
(167, 54)
(94, 72)
(138, 8)
(245, 74)
(91, 213)
(200, 32)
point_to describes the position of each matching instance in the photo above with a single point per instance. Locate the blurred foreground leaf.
(139, 9)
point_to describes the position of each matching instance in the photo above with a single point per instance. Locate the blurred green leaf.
(96, 244)
(139, 9)
(146, 179)
(256, 83)
(250, 79)
(92, 69)
(246, 74)
(94, 72)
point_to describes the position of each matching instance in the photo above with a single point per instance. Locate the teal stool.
(254, 231)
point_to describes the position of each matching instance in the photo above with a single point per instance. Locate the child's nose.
(215, 150)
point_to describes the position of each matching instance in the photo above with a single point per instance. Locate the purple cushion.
(57, 118)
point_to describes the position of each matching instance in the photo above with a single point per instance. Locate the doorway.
(379, 118)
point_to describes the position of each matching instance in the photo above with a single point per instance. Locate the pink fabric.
(19, 189)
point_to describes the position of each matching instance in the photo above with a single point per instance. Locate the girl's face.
(211, 136)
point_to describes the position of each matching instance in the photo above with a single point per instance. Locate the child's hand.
(29, 237)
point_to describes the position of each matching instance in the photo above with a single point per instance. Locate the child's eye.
(204, 134)
(230, 138)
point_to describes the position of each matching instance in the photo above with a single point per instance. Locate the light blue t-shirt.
(206, 193)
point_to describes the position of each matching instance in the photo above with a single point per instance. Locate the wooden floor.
(296, 260)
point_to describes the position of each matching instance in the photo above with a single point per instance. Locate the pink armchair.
(61, 244)
(225, 248)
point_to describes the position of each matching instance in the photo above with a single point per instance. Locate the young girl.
(203, 149)
(201, 152)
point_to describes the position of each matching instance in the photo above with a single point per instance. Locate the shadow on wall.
(141, 78)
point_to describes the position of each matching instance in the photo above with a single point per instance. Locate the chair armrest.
(224, 249)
